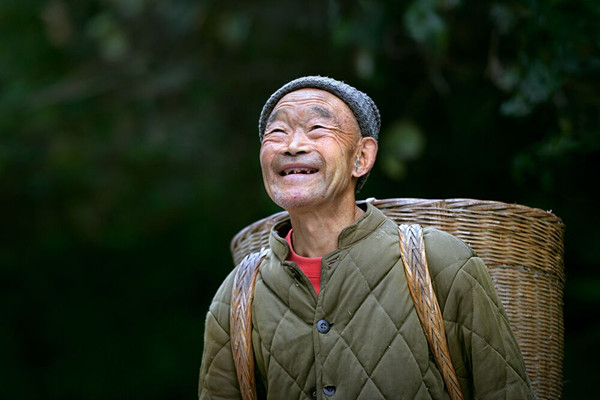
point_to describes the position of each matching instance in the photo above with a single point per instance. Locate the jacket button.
(329, 390)
(323, 326)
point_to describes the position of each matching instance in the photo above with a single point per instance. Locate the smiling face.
(312, 151)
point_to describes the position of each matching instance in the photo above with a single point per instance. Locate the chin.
(290, 201)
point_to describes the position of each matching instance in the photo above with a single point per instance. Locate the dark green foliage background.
(129, 158)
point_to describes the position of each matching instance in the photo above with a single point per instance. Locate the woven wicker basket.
(523, 249)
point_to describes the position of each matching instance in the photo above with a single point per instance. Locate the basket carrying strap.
(240, 320)
(412, 249)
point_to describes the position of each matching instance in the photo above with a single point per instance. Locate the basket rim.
(390, 202)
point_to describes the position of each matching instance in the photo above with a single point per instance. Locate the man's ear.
(365, 156)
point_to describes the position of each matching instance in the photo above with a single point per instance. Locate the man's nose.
(298, 142)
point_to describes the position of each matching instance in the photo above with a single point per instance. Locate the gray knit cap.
(364, 109)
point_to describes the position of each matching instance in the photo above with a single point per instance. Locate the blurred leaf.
(57, 23)
(503, 17)
(111, 38)
(393, 167)
(364, 63)
(401, 143)
(234, 29)
(405, 140)
(425, 25)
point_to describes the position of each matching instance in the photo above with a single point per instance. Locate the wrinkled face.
(309, 149)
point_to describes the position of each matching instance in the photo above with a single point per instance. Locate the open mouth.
(296, 171)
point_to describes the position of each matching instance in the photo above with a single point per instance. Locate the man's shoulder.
(249, 262)
(447, 256)
(444, 250)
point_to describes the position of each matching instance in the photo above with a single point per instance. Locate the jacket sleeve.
(483, 347)
(218, 378)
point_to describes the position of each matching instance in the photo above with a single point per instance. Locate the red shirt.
(311, 266)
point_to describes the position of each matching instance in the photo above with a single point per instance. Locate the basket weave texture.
(523, 250)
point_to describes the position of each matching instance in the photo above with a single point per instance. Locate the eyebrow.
(322, 112)
(273, 116)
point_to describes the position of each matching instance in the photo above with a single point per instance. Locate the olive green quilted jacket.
(360, 338)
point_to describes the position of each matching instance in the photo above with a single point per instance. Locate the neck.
(316, 232)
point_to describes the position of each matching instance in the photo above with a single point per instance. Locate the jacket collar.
(361, 228)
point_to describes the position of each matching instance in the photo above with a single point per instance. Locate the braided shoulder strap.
(240, 320)
(412, 249)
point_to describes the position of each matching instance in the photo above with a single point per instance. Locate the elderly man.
(332, 312)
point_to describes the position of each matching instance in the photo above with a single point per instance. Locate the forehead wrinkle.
(313, 111)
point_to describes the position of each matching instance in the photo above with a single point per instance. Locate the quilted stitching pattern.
(360, 302)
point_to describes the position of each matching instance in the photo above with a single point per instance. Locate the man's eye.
(274, 130)
(317, 127)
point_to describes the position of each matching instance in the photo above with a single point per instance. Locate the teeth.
(299, 171)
